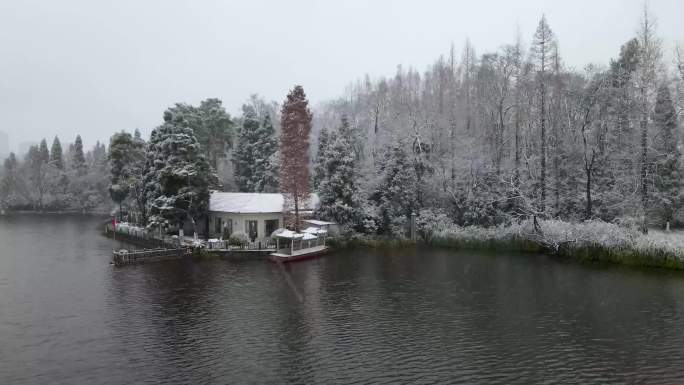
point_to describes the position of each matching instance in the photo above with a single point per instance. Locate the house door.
(271, 226)
(251, 227)
(218, 226)
(229, 226)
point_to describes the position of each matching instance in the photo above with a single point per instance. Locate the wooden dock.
(125, 257)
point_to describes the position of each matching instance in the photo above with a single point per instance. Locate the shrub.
(238, 238)
(431, 221)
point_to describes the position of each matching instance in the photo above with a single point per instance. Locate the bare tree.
(646, 75)
(542, 47)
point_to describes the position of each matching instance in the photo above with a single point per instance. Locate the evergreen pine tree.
(78, 158)
(254, 154)
(43, 155)
(396, 195)
(244, 157)
(338, 187)
(667, 173)
(266, 167)
(178, 176)
(321, 157)
(10, 184)
(120, 146)
(56, 158)
(37, 159)
(137, 176)
(211, 125)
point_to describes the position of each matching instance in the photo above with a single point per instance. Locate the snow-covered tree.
(211, 125)
(178, 176)
(120, 146)
(244, 156)
(37, 160)
(338, 188)
(321, 158)
(78, 162)
(12, 189)
(254, 152)
(267, 162)
(396, 195)
(668, 173)
(56, 156)
(646, 74)
(542, 47)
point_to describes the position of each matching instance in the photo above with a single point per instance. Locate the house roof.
(254, 203)
(318, 223)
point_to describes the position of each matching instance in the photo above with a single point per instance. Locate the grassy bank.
(585, 241)
(370, 242)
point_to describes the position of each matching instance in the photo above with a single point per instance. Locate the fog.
(95, 67)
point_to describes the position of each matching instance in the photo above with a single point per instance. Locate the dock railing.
(125, 257)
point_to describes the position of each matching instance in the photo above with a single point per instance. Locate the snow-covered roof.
(318, 223)
(314, 230)
(289, 234)
(253, 203)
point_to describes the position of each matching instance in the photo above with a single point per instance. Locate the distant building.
(256, 214)
(4, 145)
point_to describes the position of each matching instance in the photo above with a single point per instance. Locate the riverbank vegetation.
(592, 240)
(510, 135)
(510, 146)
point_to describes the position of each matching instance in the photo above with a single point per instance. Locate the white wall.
(239, 222)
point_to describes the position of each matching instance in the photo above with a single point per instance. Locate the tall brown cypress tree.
(294, 149)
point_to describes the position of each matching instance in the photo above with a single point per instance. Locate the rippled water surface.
(410, 316)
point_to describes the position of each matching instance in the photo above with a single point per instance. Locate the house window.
(217, 225)
(251, 227)
(271, 226)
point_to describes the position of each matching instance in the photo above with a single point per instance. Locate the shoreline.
(587, 242)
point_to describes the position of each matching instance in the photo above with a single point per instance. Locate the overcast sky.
(94, 67)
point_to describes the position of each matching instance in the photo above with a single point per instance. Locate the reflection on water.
(67, 316)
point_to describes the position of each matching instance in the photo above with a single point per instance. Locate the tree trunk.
(295, 196)
(644, 165)
(542, 204)
(517, 136)
(588, 192)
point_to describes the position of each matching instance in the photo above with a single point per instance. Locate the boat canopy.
(289, 234)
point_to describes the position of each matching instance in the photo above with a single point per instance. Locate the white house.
(255, 214)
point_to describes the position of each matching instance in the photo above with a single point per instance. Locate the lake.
(363, 316)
